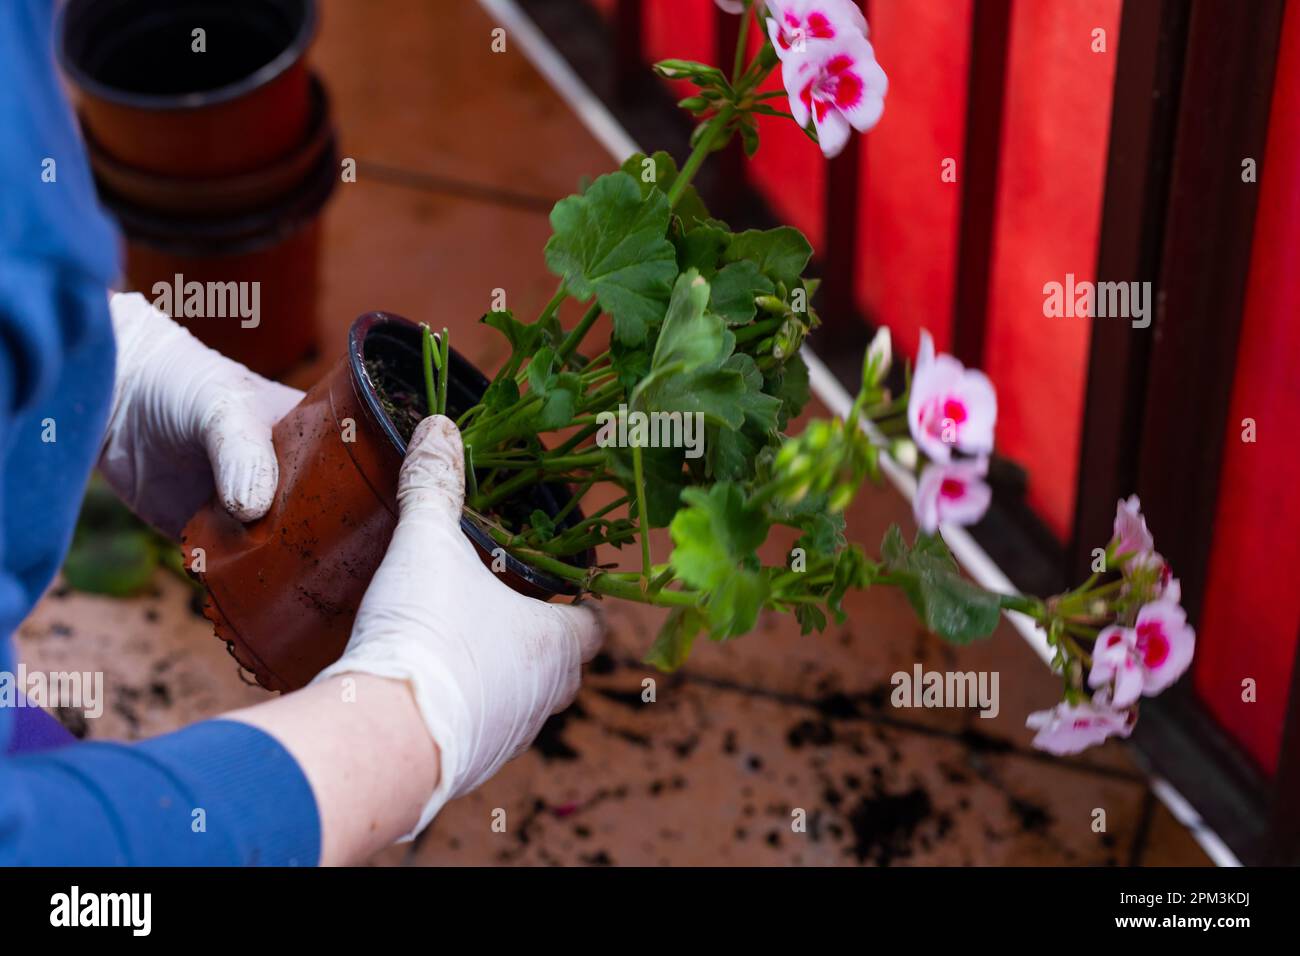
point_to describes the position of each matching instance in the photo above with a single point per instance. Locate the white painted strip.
(606, 128)
(538, 50)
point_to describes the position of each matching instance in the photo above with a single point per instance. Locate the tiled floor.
(772, 749)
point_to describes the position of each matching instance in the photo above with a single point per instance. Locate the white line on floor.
(605, 127)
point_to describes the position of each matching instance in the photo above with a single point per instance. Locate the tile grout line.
(605, 127)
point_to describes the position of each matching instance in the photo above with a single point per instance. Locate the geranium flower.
(950, 406)
(793, 23)
(1131, 529)
(731, 6)
(1146, 658)
(954, 493)
(1072, 728)
(839, 86)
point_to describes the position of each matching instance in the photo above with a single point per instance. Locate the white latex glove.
(186, 419)
(487, 665)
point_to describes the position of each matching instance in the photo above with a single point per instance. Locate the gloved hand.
(185, 419)
(487, 665)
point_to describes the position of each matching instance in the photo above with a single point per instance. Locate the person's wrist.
(391, 704)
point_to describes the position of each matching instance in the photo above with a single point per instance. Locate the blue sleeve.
(218, 792)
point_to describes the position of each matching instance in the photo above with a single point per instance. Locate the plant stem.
(444, 371)
(738, 64)
(597, 582)
(426, 358)
(643, 528)
(702, 149)
(758, 329)
(580, 330)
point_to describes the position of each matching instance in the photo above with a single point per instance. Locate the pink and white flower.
(950, 406)
(1131, 532)
(794, 25)
(952, 493)
(1072, 728)
(839, 86)
(1146, 658)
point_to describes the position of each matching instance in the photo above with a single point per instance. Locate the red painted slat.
(1054, 145)
(1252, 605)
(908, 214)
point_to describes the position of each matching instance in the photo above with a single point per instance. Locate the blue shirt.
(218, 792)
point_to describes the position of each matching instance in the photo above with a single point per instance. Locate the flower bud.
(903, 451)
(880, 355)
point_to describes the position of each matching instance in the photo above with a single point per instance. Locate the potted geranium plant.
(706, 326)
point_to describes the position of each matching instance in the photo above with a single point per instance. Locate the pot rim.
(169, 102)
(244, 233)
(361, 327)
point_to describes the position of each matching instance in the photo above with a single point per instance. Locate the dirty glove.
(487, 665)
(186, 420)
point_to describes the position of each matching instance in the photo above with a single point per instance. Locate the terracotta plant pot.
(219, 196)
(276, 246)
(283, 591)
(153, 103)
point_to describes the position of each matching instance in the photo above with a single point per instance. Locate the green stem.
(738, 63)
(597, 582)
(444, 371)
(572, 340)
(643, 527)
(702, 149)
(426, 358)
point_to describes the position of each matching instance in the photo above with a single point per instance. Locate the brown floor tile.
(1169, 843)
(415, 86)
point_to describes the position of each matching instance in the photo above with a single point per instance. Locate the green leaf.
(734, 289)
(673, 645)
(556, 411)
(611, 242)
(540, 374)
(716, 393)
(714, 534)
(690, 337)
(659, 172)
(760, 408)
(523, 338)
(501, 394)
(630, 364)
(542, 523)
(701, 248)
(790, 385)
(951, 606)
(810, 618)
(685, 373)
(734, 604)
(781, 254)
(118, 563)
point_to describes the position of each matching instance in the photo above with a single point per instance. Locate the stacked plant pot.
(211, 142)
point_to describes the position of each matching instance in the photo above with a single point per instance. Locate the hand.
(486, 665)
(186, 420)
